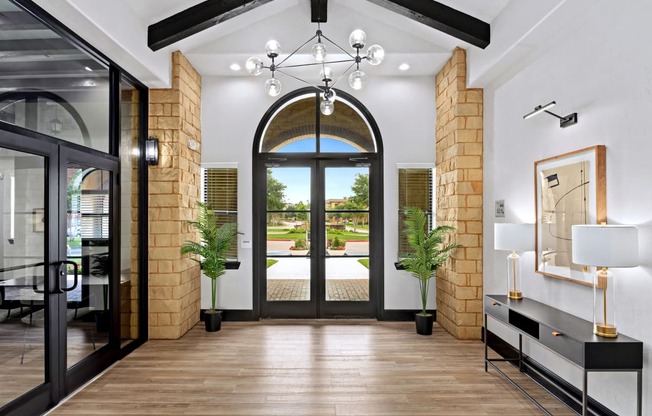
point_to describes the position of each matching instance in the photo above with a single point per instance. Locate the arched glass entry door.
(318, 210)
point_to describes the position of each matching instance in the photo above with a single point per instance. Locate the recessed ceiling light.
(404, 66)
(88, 69)
(235, 67)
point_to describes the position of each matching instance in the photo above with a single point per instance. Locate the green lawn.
(343, 235)
(271, 262)
(74, 242)
(364, 262)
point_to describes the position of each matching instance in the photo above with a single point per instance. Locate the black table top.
(570, 325)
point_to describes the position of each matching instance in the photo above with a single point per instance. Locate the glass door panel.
(346, 228)
(23, 306)
(88, 236)
(288, 234)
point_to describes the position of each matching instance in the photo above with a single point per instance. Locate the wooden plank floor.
(323, 367)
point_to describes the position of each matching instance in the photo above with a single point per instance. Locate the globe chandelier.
(357, 78)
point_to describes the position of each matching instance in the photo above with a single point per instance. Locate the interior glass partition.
(50, 85)
(22, 253)
(73, 198)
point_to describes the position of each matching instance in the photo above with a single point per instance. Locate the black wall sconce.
(566, 121)
(151, 151)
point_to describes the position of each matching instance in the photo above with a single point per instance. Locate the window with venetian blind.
(221, 193)
(415, 189)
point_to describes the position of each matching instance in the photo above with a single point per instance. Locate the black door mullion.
(352, 308)
(282, 309)
(77, 375)
(317, 226)
(39, 399)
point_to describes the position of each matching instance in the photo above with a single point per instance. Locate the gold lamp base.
(515, 294)
(607, 331)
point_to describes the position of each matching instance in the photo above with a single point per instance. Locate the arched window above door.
(298, 126)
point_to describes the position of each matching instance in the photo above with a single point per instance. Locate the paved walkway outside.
(336, 290)
(299, 268)
(346, 279)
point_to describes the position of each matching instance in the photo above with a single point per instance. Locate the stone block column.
(459, 198)
(174, 185)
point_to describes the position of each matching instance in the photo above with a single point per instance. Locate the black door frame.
(315, 161)
(59, 380)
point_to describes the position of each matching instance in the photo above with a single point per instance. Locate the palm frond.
(214, 242)
(429, 249)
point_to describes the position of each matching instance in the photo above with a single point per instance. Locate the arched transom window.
(299, 127)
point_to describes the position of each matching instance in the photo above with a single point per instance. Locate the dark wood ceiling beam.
(443, 18)
(195, 19)
(318, 11)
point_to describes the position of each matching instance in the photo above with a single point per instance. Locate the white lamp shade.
(514, 237)
(605, 245)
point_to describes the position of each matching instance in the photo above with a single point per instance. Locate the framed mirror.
(569, 189)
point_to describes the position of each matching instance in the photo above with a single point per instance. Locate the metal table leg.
(639, 392)
(486, 341)
(585, 394)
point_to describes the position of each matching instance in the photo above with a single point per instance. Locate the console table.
(569, 337)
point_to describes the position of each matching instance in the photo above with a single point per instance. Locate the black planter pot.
(213, 321)
(424, 324)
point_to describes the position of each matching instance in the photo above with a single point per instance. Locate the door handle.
(62, 273)
(34, 283)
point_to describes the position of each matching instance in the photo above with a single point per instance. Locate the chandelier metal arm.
(315, 63)
(299, 79)
(357, 78)
(337, 46)
(343, 74)
(297, 50)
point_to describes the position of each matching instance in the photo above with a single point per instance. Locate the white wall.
(232, 107)
(603, 71)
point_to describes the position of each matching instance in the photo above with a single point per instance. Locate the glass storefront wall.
(71, 204)
(50, 85)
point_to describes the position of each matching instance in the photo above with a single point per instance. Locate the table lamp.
(514, 237)
(605, 246)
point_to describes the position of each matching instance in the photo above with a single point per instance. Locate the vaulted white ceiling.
(519, 31)
(288, 21)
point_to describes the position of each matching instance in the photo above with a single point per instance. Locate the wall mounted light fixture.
(566, 121)
(151, 151)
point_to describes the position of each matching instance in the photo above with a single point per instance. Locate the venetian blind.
(414, 190)
(221, 193)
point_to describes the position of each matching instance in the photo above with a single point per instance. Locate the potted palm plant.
(211, 255)
(428, 254)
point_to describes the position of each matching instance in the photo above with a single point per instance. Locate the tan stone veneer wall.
(459, 198)
(174, 280)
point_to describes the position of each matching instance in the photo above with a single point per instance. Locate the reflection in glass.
(88, 314)
(22, 252)
(129, 133)
(51, 86)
